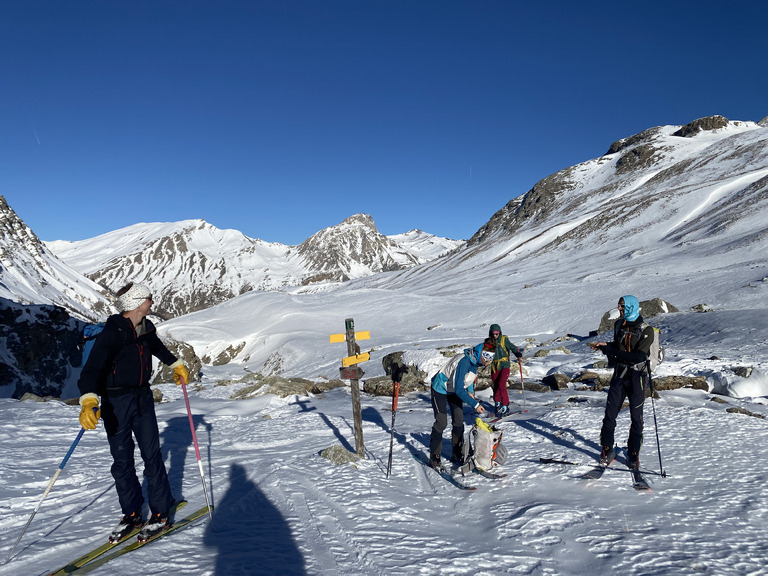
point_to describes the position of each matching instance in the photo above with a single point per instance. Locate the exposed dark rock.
(41, 341)
(556, 381)
(676, 382)
(534, 206)
(281, 386)
(548, 351)
(225, 356)
(382, 386)
(186, 354)
(648, 309)
(637, 158)
(30, 397)
(634, 140)
(737, 410)
(339, 455)
(586, 376)
(743, 371)
(412, 378)
(706, 123)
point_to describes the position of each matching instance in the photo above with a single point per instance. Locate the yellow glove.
(89, 417)
(179, 372)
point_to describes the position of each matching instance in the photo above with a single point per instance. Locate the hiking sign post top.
(352, 372)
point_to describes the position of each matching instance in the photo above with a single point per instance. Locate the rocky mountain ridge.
(31, 274)
(192, 265)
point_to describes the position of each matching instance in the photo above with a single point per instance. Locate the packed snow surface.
(282, 508)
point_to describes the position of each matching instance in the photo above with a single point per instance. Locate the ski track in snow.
(283, 509)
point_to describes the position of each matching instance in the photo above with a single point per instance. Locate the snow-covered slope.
(283, 509)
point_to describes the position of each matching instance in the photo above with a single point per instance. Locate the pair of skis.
(638, 480)
(450, 478)
(98, 557)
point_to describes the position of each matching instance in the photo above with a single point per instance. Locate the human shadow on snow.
(555, 433)
(175, 444)
(251, 535)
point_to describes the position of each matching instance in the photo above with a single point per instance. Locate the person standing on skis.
(500, 368)
(117, 371)
(453, 387)
(628, 353)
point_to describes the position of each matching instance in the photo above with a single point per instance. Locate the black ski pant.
(625, 384)
(441, 404)
(126, 416)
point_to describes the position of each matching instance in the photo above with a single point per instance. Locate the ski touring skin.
(507, 416)
(486, 474)
(638, 479)
(106, 547)
(594, 474)
(136, 544)
(421, 458)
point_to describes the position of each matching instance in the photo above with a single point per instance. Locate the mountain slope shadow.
(251, 535)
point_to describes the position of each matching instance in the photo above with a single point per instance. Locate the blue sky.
(282, 118)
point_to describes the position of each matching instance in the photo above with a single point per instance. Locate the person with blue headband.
(453, 387)
(627, 354)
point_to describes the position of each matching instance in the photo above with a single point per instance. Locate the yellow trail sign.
(349, 360)
(335, 338)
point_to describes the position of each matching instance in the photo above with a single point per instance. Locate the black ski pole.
(655, 423)
(397, 373)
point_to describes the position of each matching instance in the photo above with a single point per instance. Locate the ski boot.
(156, 525)
(128, 524)
(607, 456)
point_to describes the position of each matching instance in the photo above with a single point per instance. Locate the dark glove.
(518, 354)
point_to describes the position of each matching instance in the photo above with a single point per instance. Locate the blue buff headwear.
(631, 308)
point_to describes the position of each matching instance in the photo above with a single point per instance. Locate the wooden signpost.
(352, 372)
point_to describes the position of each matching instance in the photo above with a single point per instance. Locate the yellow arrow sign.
(349, 360)
(358, 336)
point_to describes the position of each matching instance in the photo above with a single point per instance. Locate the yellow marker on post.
(349, 360)
(336, 338)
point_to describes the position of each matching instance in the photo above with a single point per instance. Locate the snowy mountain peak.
(356, 249)
(14, 234)
(191, 265)
(31, 274)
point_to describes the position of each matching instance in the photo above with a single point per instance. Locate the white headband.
(134, 297)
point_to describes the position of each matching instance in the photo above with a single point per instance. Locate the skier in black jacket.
(628, 353)
(118, 370)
